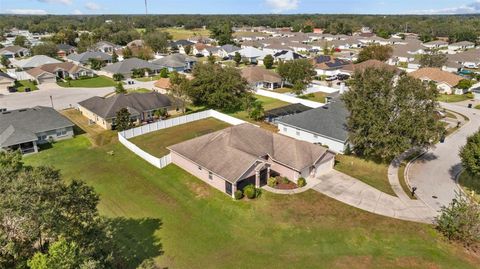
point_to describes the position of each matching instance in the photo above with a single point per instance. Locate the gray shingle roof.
(136, 103)
(328, 121)
(86, 56)
(126, 66)
(22, 125)
(176, 60)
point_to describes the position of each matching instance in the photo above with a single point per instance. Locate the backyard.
(156, 142)
(169, 210)
(95, 82)
(370, 172)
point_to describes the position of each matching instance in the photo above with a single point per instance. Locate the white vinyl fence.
(123, 136)
(289, 99)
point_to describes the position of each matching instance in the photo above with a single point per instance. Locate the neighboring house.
(235, 157)
(142, 106)
(201, 49)
(436, 44)
(12, 52)
(468, 59)
(476, 93)
(275, 48)
(127, 66)
(105, 46)
(84, 58)
(328, 65)
(65, 49)
(261, 78)
(463, 45)
(163, 83)
(445, 81)
(286, 55)
(48, 73)
(325, 125)
(360, 67)
(25, 129)
(35, 61)
(5, 81)
(181, 44)
(176, 62)
(227, 51)
(253, 55)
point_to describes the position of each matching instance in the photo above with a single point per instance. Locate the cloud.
(77, 12)
(92, 6)
(471, 8)
(27, 11)
(278, 6)
(65, 2)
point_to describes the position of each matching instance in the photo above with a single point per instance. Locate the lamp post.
(51, 101)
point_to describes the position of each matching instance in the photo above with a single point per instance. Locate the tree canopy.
(158, 41)
(433, 60)
(470, 155)
(388, 118)
(222, 32)
(298, 72)
(375, 52)
(46, 48)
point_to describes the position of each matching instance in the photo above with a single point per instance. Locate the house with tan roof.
(445, 81)
(360, 67)
(235, 157)
(261, 78)
(48, 73)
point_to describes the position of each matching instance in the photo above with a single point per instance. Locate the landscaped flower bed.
(281, 183)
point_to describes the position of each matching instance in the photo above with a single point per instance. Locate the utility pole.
(146, 8)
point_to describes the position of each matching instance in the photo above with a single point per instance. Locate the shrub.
(118, 77)
(301, 182)
(283, 180)
(249, 191)
(238, 195)
(272, 182)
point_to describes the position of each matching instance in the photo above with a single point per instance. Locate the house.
(235, 157)
(25, 129)
(287, 55)
(476, 93)
(468, 59)
(261, 78)
(65, 49)
(14, 52)
(163, 83)
(142, 106)
(105, 46)
(127, 66)
(84, 58)
(176, 62)
(328, 66)
(436, 44)
(200, 49)
(253, 55)
(181, 45)
(325, 125)
(445, 81)
(227, 51)
(5, 81)
(275, 48)
(48, 73)
(360, 67)
(34, 61)
(463, 45)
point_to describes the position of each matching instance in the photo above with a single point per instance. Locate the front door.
(228, 188)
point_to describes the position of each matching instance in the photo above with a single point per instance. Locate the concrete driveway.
(435, 172)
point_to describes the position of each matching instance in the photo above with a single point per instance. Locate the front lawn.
(453, 98)
(316, 97)
(372, 173)
(95, 82)
(470, 185)
(152, 78)
(22, 84)
(156, 143)
(199, 227)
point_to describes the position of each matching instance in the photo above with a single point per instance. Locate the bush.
(238, 195)
(301, 182)
(249, 191)
(118, 77)
(283, 180)
(272, 182)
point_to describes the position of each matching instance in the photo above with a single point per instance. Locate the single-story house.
(328, 65)
(163, 83)
(235, 157)
(24, 129)
(227, 51)
(436, 44)
(48, 73)
(468, 59)
(176, 62)
(325, 125)
(105, 46)
(14, 52)
(142, 106)
(84, 58)
(65, 49)
(360, 67)
(287, 55)
(201, 49)
(445, 81)
(181, 44)
(463, 45)
(5, 81)
(127, 66)
(261, 78)
(34, 61)
(253, 55)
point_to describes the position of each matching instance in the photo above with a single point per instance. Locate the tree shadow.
(454, 170)
(135, 240)
(429, 156)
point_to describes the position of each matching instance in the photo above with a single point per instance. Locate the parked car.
(331, 78)
(343, 76)
(12, 89)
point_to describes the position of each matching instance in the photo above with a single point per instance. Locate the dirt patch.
(200, 190)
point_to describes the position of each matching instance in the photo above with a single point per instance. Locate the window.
(61, 132)
(42, 137)
(210, 175)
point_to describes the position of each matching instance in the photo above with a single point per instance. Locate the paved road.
(354, 192)
(434, 173)
(62, 97)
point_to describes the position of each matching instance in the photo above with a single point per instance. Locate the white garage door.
(46, 80)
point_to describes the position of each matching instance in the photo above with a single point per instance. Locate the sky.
(240, 6)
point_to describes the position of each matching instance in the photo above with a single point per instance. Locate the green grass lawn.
(401, 175)
(470, 184)
(283, 90)
(155, 143)
(22, 84)
(372, 173)
(316, 97)
(477, 106)
(453, 98)
(96, 82)
(199, 227)
(180, 33)
(152, 78)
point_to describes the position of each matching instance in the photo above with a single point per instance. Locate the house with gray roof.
(176, 62)
(235, 157)
(11, 52)
(25, 129)
(127, 66)
(142, 106)
(35, 61)
(84, 58)
(324, 125)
